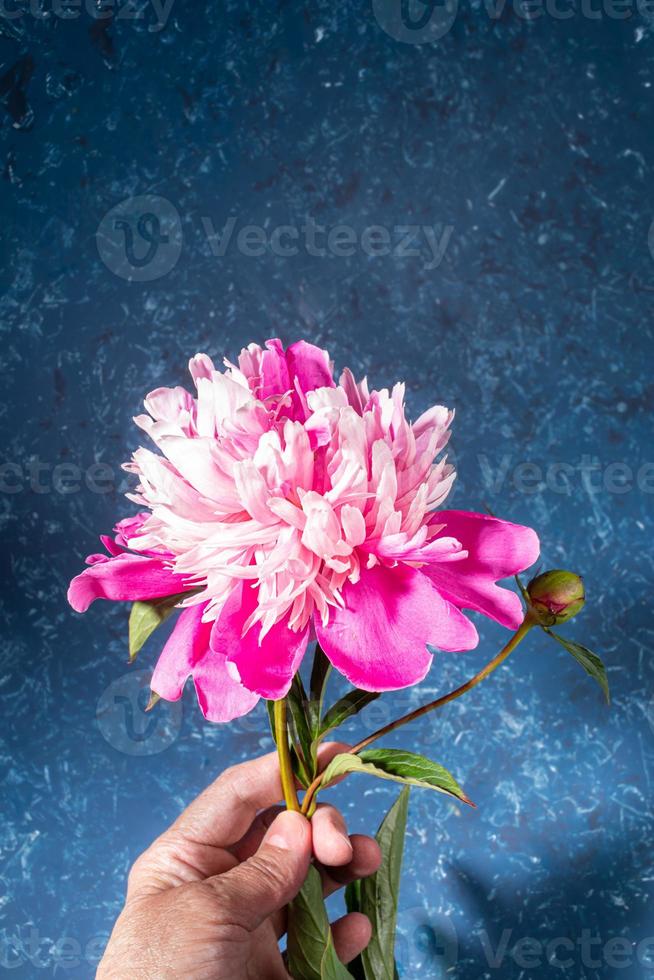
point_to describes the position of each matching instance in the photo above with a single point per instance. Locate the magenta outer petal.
(112, 546)
(123, 578)
(187, 644)
(275, 379)
(187, 652)
(497, 549)
(266, 668)
(310, 365)
(379, 639)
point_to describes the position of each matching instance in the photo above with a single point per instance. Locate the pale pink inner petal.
(276, 475)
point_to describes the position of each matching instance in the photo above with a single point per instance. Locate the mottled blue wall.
(526, 147)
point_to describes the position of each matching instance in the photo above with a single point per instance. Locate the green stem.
(519, 635)
(283, 751)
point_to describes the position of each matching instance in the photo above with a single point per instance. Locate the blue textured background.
(534, 142)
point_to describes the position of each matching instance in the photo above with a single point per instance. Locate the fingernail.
(346, 840)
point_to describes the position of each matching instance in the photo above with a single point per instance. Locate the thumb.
(273, 876)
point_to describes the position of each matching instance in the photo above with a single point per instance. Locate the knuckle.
(137, 868)
(146, 864)
(331, 815)
(228, 776)
(234, 783)
(260, 869)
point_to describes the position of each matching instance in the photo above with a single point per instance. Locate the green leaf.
(523, 590)
(377, 897)
(317, 685)
(270, 708)
(298, 704)
(591, 663)
(153, 700)
(398, 765)
(299, 769)
(145, 617)
(353, 904)
(351, 704)
(353, 896)
(310, 947)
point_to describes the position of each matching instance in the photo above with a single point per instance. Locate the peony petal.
(310, 365)
(186, 645)
(201, 366)
(130, 527)
(186, 653)
(124, 578)
(194, 460)
(266, 667)
(274, 370)
(167, 404)
(379, 639)
(221, 698)
(496, 549)
(112, 546)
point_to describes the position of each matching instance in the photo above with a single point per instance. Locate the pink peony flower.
(287, 506)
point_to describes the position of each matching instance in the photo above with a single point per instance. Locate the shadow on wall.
(587, 920)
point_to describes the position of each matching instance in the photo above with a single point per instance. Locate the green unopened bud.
(556, 596)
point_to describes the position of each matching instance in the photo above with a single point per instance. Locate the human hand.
(207, 900)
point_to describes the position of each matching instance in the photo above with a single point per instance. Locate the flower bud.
(556, 596)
